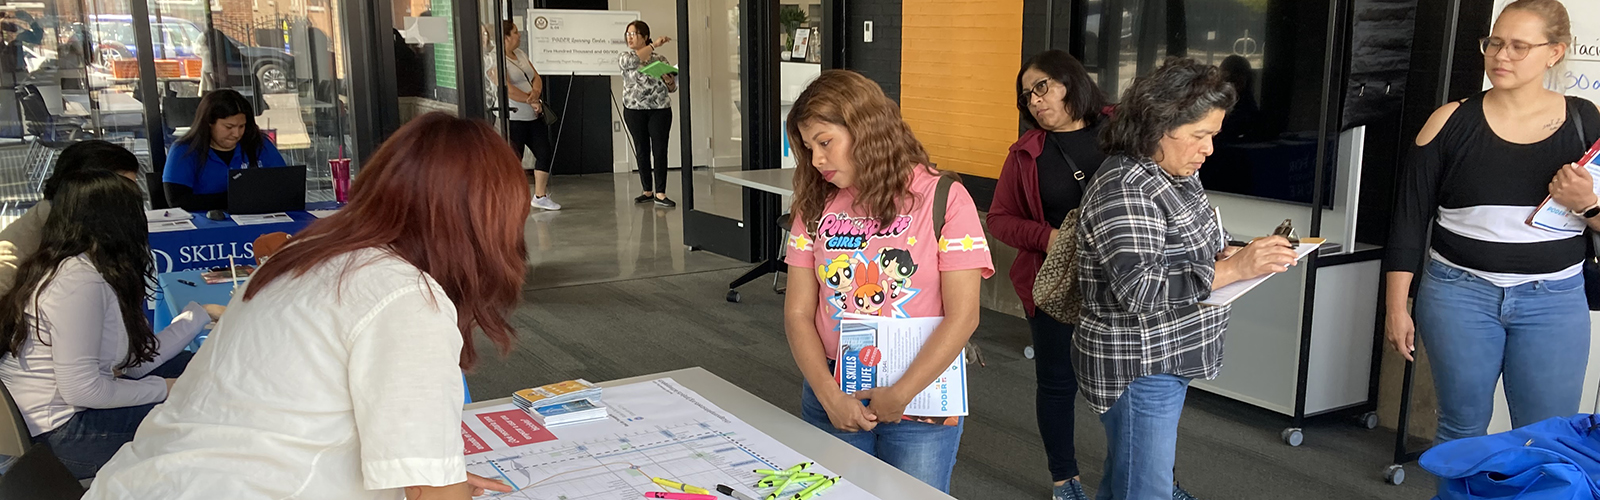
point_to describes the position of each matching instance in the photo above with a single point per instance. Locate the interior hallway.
(613, 293)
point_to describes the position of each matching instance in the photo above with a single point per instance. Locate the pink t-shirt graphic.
(890, 270)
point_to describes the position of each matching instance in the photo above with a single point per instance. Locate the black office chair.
(39, 475)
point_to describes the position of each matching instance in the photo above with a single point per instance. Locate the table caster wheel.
(1293, 437)
(1395, 474)
(733, 296)
(1027, 352)
(1369, 420)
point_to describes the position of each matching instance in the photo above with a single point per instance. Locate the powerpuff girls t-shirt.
(887, 270)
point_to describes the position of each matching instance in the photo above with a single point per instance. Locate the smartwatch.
(1591, 212)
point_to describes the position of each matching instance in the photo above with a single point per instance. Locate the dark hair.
(902, 256)
(447, 195)
(99, 214)
(89, 155)
(218, 105)
(1178, 93)
(1236, 71)
(507, 27)
(1084, 100)
(642, 28)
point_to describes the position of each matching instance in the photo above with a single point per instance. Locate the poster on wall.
(577, 42)
(1581, 77)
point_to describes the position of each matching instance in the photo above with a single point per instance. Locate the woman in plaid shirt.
(1149, 250)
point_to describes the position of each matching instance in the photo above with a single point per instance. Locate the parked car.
(178, 38)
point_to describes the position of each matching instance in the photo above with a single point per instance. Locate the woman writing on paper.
(78, 355)
(1498, 297)
(223, 137)
(1044, 178)
(524, 87)
(863, 243)
(647, 111)
(338, 371)
(1149, 250)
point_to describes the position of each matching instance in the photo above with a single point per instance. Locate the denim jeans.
(89, 439)
(925, 451)
(1056, 394)
(1142, 439)
(1535, 334)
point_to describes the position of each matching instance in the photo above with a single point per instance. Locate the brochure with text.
(876, 352)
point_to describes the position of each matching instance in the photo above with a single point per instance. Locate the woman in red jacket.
(1045, 176)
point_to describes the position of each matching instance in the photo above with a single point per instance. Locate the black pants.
(1057, 393)
(650, 128)
(536, 136)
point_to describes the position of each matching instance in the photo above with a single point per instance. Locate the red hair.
(447, 195)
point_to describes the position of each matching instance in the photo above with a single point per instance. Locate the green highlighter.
(816, 489)
(657, 69)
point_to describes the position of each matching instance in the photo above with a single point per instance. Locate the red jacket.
(1016, 215)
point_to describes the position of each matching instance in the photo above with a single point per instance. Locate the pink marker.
(679, 496)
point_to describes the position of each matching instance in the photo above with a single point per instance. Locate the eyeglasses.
(1492, 45)
(630, 34)
(1039, 88)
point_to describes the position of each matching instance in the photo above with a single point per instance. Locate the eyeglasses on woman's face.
(1039, 89)
(630, 34)
(1515, 50)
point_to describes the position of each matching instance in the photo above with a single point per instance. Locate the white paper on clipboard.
(1227, 294)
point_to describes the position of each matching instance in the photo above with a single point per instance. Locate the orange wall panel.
(959, 62)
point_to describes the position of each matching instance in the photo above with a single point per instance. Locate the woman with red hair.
(337, 373)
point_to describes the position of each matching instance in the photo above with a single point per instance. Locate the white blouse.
(319, 387)
(85, 340)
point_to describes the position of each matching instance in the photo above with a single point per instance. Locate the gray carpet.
(1226, 450)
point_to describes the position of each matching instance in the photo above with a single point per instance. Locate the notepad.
(1227, 294)
(657, 69)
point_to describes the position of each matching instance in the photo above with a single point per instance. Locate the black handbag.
(1591, 262)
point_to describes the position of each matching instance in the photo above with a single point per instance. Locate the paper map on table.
(657, 428)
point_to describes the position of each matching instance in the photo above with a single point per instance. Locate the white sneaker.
(546, 203)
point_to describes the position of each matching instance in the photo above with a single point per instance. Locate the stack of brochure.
(568, 402)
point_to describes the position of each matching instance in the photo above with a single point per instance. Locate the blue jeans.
(1142, 439)
(925, 451)
(89, 439)
(1535, 334)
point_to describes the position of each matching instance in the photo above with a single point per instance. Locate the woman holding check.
(863, 243)
(1497, 296)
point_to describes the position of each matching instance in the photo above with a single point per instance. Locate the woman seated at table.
(21, 238)
(78, 355)
(338, 370)
(224, 137)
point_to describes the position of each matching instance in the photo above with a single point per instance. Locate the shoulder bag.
(1055, 288)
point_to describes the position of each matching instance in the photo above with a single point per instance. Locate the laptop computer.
(267, 190)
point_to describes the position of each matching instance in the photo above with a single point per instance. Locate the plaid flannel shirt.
(1147, 247)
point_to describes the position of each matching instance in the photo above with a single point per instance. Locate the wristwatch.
(1591, 212)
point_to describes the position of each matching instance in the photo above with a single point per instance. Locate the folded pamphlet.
(658, 69)
(559, 392)
(1554, 217)
(876, 352)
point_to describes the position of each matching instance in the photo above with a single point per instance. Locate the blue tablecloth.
(172, 295)
(212, 242)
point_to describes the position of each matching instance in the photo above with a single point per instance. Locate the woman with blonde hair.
(864, 242)
(1498, 297)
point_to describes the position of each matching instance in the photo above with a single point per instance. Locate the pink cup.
(340, 167)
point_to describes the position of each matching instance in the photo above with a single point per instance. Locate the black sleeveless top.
(1476, 191)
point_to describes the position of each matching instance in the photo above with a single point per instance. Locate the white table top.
(866, 471)
(778, 181)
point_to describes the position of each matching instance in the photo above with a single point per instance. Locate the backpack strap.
(941, 197)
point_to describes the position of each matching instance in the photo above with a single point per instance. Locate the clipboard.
(1228, 294)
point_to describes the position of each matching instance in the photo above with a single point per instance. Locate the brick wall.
(958, 65)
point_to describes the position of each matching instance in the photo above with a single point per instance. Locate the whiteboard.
(579, 42)
(1582, 74)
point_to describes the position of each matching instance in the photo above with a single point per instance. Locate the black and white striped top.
(1477, 190)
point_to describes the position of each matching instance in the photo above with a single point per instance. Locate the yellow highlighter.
(671, 485)
(689, 488)
(816, 489)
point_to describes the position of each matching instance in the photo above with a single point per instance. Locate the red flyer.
(473, 443)
(516, 428)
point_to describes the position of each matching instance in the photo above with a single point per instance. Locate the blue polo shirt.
(213, 177)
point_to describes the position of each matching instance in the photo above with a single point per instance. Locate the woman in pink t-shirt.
(863, 243)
